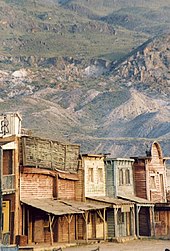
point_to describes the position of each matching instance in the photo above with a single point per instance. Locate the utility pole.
(1, 199)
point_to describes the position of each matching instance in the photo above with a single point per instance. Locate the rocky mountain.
(77, 73)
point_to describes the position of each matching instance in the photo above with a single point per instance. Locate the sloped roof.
(135, 199)
(85, 206)
(111, 200)
(52, 206)
(62, 207)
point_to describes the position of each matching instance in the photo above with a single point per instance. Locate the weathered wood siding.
(48, 154)
(150, 175)
(127, 184)
(157, 175)
(162, 223)
(94, 176)
(110, 179)
(140, 179)
(35, 186)
(110, 223)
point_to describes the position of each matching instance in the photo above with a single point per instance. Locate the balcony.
(8, 184)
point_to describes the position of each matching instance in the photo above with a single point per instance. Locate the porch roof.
(85, 206)
(52, 206)
(63, 207)
(135, 199)
(111, 200)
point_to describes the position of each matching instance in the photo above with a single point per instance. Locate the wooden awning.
(55, 207)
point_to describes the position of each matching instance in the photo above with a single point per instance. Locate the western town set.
(52, 193)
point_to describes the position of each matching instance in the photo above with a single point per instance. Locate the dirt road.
(135, 245)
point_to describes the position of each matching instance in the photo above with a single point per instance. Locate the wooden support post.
(115, 220)
(85, 216)
(51, 231)
(103, 217)
(28, 220)
(104, 224)
(30, 229)
(69, 239)
(153, 222)
(76, 227)
(69, 219)
(133, 217)
(137, 219)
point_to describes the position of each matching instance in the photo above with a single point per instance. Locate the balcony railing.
(8, 183)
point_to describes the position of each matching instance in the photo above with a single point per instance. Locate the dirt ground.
(135, 245)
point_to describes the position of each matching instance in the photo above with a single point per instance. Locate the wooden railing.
(8, 183)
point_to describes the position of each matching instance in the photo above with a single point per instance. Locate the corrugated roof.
(111, 200)
(135, 199)
(52, 206)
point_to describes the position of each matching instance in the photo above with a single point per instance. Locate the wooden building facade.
(9, 175)
(120, 184)
(119, 213)
(150, 176)
(43, 190)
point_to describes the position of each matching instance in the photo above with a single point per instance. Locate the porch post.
(86, 216)
(137, 219)
(28, 224)
(76, 227)
(153, 221)
(51, 231)
(104, 224)
(115, 220)
(133, 225)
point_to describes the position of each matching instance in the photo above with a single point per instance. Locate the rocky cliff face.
(148, 67)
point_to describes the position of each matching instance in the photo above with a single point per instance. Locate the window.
(90, 175)
(121, 177)
(127, 176)
(100, 174)
(120, 217)
(152, 182)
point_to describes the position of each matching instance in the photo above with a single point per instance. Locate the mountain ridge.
(108, 93)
